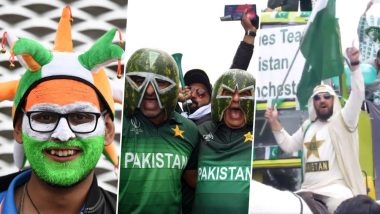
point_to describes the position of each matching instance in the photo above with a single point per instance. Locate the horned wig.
(62, 63)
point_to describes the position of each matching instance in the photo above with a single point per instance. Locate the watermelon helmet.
(233, 80)
(151, 66)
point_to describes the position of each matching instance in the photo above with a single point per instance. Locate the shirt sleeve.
(289, 143)
(352, 109)
(242, 56)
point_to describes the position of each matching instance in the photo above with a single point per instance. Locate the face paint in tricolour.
(61, 162)
(67, 173)
(62, 128)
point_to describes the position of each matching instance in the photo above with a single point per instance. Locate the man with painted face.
(224, 159)
(63, 117)
(63, 131)
(157, 141)
(329, 140)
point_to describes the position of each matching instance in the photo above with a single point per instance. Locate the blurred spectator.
(375, 63)
(306, 5)
(360, 204)
(368, 34)
(373, 89)
(282, 5)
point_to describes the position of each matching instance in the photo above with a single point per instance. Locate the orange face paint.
(61, 92)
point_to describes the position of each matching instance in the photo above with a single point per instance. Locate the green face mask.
(149, 66)
(63, 173)
(233, 79)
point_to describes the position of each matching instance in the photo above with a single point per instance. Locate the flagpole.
(315, 10)
(287, 74)
(282, 85)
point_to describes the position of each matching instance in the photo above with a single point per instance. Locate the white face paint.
(63, 131)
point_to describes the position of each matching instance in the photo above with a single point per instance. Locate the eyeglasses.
(326, 96)
(79, 122)
(200, 92)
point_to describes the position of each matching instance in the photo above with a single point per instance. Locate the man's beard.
(66, 173)
(194, 106)
(71, 185)
(324, 116)
(190, 106)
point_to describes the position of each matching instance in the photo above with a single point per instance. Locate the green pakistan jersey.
(153, 159)
(224, 169)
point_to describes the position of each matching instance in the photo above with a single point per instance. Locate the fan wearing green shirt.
(225, 151)
(157, 142)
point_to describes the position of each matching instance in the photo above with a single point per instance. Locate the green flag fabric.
(321, 48)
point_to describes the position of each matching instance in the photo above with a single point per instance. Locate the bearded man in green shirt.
(157, 142)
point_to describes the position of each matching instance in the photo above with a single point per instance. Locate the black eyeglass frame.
(97, 115)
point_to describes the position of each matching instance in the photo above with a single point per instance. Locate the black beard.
(191, 107)
(324, 116)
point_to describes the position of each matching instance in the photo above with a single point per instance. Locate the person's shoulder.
(203, 119)
(99, 200)
(108, 195)
(110, 198)
(189, 124)
(7, 179)
(207, 127)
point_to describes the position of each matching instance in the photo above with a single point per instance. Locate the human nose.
(235, 97)
(149, 89)
(63, 131)
(193, 93)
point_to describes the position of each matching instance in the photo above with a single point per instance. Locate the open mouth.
(150, 99)
(150, 102)
(235, 113)
(62, 154)
(323, 107)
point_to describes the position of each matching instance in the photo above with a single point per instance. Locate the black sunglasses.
(326, 96)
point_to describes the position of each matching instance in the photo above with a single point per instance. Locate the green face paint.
(63, 173)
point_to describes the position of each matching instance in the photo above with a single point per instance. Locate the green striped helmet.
(232, 80)
(151, 66)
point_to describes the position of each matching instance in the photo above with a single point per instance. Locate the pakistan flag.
(321, 48)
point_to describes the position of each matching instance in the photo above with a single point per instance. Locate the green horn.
(102, 52)
(39, 53)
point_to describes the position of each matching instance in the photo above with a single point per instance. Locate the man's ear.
(110, 130)
(17, 131)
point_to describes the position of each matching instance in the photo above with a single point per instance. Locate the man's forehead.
(74, 107)
(324, 92)
(62, 92)
(323, 88)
